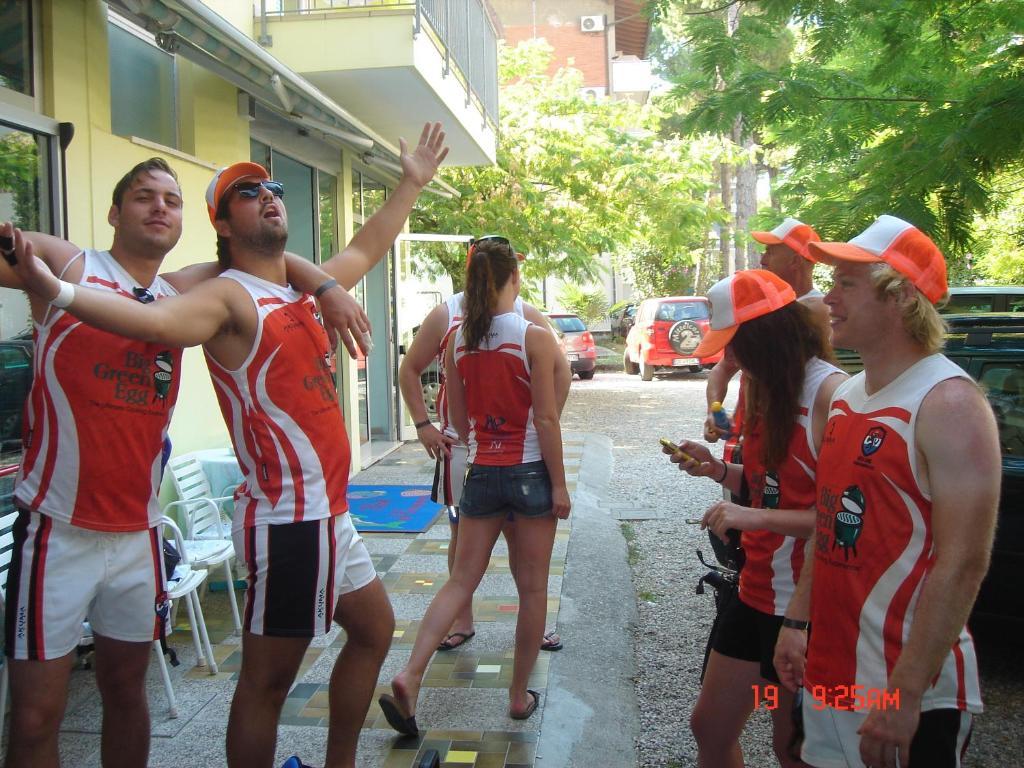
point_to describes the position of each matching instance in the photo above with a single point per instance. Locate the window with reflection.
(26, 183)
(143, 87)
(16, 46)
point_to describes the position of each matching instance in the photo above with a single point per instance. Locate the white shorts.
(60, 574)
(450, 476)
(297, 571)
(831, 739)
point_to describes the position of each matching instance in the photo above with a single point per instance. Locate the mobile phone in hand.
(674, 448)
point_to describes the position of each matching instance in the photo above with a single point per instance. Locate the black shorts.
(749, 635)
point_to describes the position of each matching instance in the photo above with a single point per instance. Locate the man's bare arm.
(563, 373)
(53, 251)
(963, 476)
(417, 358)
(180, 321)
(791, 645)
(717, 389)
(377, 235)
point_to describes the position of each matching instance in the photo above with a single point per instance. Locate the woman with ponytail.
(501, 390)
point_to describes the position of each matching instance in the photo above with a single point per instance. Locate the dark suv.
(15, 382)
(990, 347)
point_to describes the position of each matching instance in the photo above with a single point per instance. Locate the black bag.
(171, 559)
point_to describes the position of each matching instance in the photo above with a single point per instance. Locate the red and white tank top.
(499, 401)
(282, 411)
(454, 304)
(97, 415)
(773, 561)
(874, 541)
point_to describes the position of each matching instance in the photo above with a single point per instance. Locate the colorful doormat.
(392, 508)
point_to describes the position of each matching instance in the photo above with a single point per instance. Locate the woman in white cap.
(777, 344)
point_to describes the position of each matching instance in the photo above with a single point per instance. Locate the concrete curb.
(591, 716)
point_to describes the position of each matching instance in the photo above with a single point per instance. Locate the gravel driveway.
(673, 621)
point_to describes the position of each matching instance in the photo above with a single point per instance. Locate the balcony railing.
(461, 30)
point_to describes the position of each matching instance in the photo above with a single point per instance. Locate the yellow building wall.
(76, 88)
(342, 42)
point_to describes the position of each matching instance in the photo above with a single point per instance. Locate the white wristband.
(64, 296)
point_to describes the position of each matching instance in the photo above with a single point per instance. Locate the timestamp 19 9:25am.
(850, 698)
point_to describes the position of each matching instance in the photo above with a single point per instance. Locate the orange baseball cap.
(738, 298)
(225, 177)
(792, 233)
(899, 244)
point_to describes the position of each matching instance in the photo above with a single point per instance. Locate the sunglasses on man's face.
(251, 189)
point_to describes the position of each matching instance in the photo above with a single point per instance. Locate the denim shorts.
(521, 489)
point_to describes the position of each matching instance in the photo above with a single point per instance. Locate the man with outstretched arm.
(443, 444)
(264, 347)
(905, 521)
(96, 427)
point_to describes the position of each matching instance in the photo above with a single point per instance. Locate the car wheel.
(586, 374)
(646, 370)
(430, 390)
(628, 365)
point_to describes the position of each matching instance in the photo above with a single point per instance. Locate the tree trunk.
(773, 192)
(746, 196)
(727, 258)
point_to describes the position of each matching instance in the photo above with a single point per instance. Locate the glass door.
(422, 285)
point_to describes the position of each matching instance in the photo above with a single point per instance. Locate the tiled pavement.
(463, 703)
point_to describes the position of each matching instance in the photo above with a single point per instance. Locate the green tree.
(910, 107)
(575, 177)
(589, 303)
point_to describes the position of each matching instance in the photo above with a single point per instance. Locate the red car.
(665, 334)
(576, 342)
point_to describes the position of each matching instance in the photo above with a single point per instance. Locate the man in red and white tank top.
(96, 418)
(905, 520)
(96, 422)
(429, 345)
(268, 359)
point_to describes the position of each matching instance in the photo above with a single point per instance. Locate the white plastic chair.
(6, 554)
(185, 584)
(207, 533)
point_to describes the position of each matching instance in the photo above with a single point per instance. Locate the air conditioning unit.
(593, 92)
(592, 23)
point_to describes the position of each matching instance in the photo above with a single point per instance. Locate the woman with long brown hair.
(501, 389)
(788, 383)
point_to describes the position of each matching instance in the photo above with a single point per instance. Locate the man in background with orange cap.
(787, 255)
(905, 519)
(265, 350)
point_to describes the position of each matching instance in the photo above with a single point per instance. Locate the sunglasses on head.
(251, 189)
(143, 295)
(493, 239)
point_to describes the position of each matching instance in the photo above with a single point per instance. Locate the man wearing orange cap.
(904, 524)
(88, 484)
(267, 356)
(786, 254)
(756, 318)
